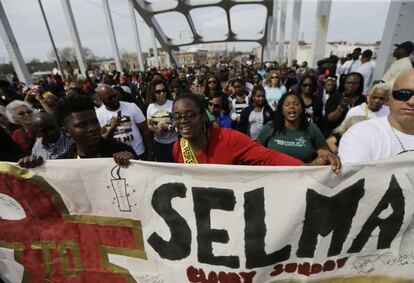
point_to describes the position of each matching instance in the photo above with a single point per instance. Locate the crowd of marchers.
(253, 114)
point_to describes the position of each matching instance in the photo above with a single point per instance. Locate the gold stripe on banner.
(105, 250)
(135, 225)
(28, 175)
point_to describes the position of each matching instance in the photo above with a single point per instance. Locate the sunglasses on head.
(402, 94)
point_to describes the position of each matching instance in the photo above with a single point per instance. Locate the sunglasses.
(402, 94)
(306, 85)
(25, 113)
(212, 82)
(274, 77)
(159, 91)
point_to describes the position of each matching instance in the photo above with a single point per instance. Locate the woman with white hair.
(20, 113)
(374, 107)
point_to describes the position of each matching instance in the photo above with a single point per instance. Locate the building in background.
(338, 48)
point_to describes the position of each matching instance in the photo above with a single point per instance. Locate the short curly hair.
(11, 109)
(72, 103)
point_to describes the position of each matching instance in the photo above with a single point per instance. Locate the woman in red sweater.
(201, 143)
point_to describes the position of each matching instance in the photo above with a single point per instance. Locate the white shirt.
(396, 68)
(162, 113)
(366, 70)
(372, 140)
(256, 123)
(349, 66)
(128, 131)
(361, 110)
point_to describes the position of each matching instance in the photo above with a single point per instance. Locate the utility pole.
(52, 41)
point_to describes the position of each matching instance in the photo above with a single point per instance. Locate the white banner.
(91, 221)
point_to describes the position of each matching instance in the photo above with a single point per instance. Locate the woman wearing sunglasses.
(201, 143)
(313, 105)
(212, 86)
(218, 106)
(388, 136)
(20, 113)
(159, 121)
(274, 88)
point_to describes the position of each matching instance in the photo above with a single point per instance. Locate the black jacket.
(243, 126)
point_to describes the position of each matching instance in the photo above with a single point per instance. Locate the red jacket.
(227, 146)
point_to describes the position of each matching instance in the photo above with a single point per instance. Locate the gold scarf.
(187, 152)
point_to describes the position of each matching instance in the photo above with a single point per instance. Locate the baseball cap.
(407, 45)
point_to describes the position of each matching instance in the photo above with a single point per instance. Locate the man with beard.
(124, 121)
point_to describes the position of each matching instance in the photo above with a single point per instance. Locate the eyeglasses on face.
(402, 94)
(159, 91)
(306, 85)
(274, 77)
(212, 82)
(22, 113)
(187, 116)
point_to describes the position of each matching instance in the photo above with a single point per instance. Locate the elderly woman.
(274, 88)
(374, 107)
(20, 112)
(200, 143)
(291, 133)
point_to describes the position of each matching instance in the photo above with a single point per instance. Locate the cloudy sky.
(353, 21)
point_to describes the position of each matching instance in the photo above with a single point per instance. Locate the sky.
(350, 20)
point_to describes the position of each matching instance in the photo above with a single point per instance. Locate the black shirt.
(107, 148)
(331, 104)
(9, 150)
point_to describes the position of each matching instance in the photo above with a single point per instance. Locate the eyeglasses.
(212, 82)
(306, 85)
(402, 94)
(274, 77)
(22, 113)
(159, 91)
(187, 116)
